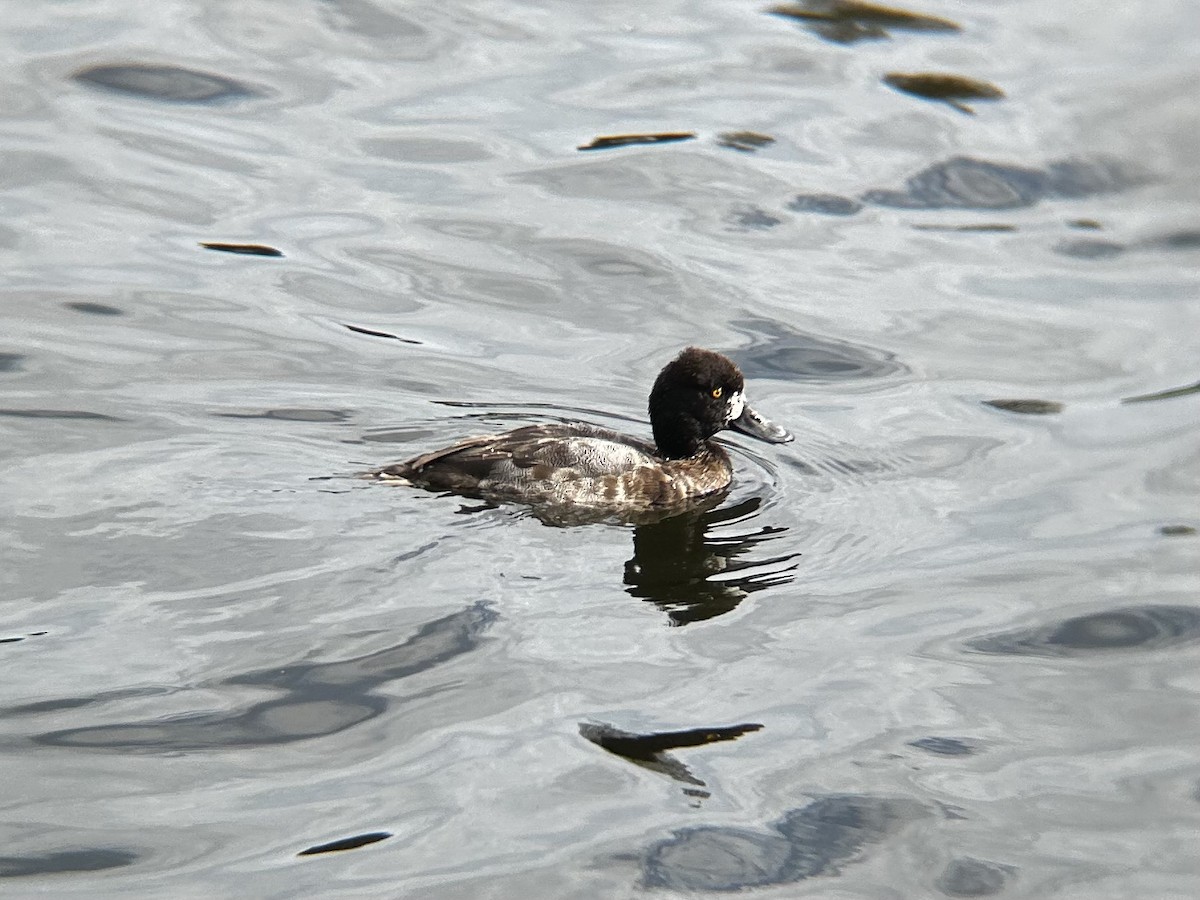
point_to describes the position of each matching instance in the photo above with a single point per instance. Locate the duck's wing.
(534, 453)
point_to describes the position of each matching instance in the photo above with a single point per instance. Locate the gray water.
(968, 631)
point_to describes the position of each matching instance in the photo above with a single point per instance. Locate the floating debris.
(358, 329)
(825, 204)
(952, 90)
(980, 228)
(245, 249)
(607, 142)
(170, 83)
(746, 141)
(849, 21)
(350, 843)
(1170, 394)
(1085, 224)
(650, 750)
(1027, 407)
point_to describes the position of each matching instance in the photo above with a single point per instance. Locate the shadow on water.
(1128, 628)
(815, 840)
(317, 699)
(692, 572)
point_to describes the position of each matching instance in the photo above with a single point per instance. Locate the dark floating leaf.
(943, 746)
(967, 877)
(825, 204)
(94, 309)
(170, 83)
(245, 249)
(951, 89)
(848, 21)
(1170, 394)
(350, 843)
(383, 334)
(815, 840)
(1085, 224)
(1027, 407)
(964, 182)
(1092, 248)
(1177, 530)
(650, 750)
(746, 141)
(1137, 627)
(607, 142)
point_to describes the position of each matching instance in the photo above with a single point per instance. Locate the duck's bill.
(756, 426)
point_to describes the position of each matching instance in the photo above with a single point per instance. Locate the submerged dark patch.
(943, 746)
(778, 351)
(825, 204)
(170, 83)
(967, 877)
(1132, 628)
(94, 309)
(89, 860)
(58, 414)
(815, 840)
(965, 182)
(293, 415)
(314, 699)
(746, 141)
(11, 362)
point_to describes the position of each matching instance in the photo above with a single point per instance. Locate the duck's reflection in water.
(692, 565)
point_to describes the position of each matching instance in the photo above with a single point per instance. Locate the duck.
(582, 466)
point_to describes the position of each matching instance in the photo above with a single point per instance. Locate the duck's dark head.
(697, 394)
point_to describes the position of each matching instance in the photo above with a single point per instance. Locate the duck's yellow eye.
(716, 393)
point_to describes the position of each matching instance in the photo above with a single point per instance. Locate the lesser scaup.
(696, 395)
